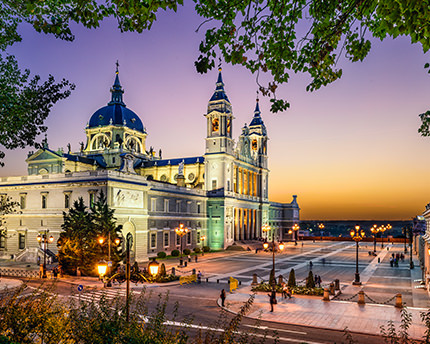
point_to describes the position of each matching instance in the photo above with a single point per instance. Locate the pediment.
(43, 155)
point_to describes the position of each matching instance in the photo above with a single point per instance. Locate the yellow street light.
(102, 268)
(357, 235)
(295, 228)
(181, 230)
(117, 241)
(203, 238)
(265, 245)
(281, 246)
(153, 267)
(321, 227)
(101, 240)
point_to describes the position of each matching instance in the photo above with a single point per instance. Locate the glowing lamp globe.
(153, 267)
(102, 268)
(265, 245)
(281, 246)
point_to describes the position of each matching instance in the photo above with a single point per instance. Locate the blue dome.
(116, 114)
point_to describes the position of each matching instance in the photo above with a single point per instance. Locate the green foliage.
(310, 282)
(78, 244)
(292, 278)
(206, 248)
(235, 248)
(299, 290)
(392, 336)
(175, 253)
(186, 251)
(7, 206)
(161, 254)
(197, 249)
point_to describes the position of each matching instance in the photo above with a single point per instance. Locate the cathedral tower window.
(23, 200)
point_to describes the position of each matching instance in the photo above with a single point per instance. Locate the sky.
(349, 151)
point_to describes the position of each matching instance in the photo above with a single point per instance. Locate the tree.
(277, 37)
(7, 206)
(310, 282)
(78, 245)
(292, 278)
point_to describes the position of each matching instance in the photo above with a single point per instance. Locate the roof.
(116, 112)
(219, 92)
(165, 162)
(257, 120)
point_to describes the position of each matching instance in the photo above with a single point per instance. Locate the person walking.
(222, 297)
(272, 299)
(199, 277)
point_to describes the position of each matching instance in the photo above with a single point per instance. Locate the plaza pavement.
(380, 281)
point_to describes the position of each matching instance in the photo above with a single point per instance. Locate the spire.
(257, 120)
(116, 89)
(219, 90)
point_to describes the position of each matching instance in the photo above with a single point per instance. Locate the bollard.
(331, 288)
(379, 259)
(361, 298)
(185, 264)
(217, 280)
(240, 282)
(399, 303)
(326, 296)
(280, 279)
(254, 279)
(193, 272)
(336, 284)
(173, 271)
(207, 280)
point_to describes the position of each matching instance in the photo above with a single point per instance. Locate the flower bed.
(299, 290)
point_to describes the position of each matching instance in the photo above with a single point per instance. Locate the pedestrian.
(302, 244)
(284, 290)
(323, 261)
(199, 277)
(195, 258)
(311, 265)
(189, 258)
(272, 299)
(55, 272)
(256, 250)
(222, 297)
(391, 261)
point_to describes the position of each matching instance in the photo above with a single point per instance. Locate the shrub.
(206, 248)
(175, 253)
(187, 251)
(292, 278)
(162, 268)
(197, 249)
(161, 254)
(310, 282)
(235, 248)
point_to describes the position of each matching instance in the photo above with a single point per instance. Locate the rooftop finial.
(117, 67)
(219, 65)
(257, 97)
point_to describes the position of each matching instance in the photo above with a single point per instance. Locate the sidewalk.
(313, 312)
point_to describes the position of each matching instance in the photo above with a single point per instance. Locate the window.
(3, 241)
(178, 206)
(189, 238)
(166, 239)
(228, 185)
(44, 201)
(214, 184)
(198, 208)
(21, 241)
(92, 199)
(67, 200)
(188, 207)
(198, 237)
(153, 240)
(22, 201)
(166, 205)
(178, 240)
(153, 204)
(20, 222)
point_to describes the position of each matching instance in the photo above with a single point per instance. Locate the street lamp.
(43, 239)
(128, 244)
(295, 228)
(404, 231)
(374, 231)
(153, 267)
(266, 228)
(202, 238)
(181, 231)
(102, 268)
(357, 235)
(117, 241)
(321, 227)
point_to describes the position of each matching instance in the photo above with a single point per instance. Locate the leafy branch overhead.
(274, 38)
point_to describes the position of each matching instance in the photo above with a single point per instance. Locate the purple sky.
(349, 151)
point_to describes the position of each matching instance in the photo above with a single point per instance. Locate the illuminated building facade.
(222, 194)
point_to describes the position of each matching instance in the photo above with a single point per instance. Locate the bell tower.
(219, 121)
(258, 138)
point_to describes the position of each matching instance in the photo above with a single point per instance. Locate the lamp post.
(181, 230)
(117, 241)
(357, 235)
(102, 268)
(266, 228)
(321, 227)
(202, 238)
(404, 231)
(153, 267)
(128, 244)
(374, 231)
(382, 229)
(295, 228)
(43, 239)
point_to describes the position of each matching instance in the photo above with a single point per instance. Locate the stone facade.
(222, 194)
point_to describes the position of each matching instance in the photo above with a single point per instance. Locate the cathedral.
(220, 196)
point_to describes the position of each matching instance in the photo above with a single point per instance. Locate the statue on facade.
(181, 169)
(82, 146)
(69, 148)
